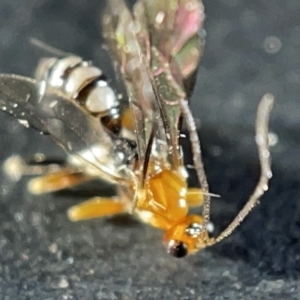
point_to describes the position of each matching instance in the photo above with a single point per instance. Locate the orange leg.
(64, 178)
(194, 197)
(96, 208)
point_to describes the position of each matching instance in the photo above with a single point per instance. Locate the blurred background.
(252, 47)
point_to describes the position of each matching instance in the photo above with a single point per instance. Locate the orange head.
(186, 237)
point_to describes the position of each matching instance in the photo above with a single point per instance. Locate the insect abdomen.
(84, 83)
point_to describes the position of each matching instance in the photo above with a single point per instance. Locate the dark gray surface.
(44, 256)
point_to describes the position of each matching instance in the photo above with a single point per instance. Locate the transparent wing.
(120, 32)
(68, 125)
(175, 29)
(171, 39)
(154, 48)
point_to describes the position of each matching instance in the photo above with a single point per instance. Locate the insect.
(157, 47)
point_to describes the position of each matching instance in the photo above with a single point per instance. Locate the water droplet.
(272, 44)
(53, 248)
(160, 17)
(266, 154)
(259, 139)
(269, 174)
(202, 33)
(24, 122)
(18, 217)
(210, 227)
(52, 104)
(63, 283)
(273, 139)
(70, 260)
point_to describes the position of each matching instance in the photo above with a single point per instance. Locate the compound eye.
(177, 249)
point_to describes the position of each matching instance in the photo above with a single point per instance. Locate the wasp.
(156, 46)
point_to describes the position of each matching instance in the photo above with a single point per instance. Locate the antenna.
(197, 159)
(262, 141)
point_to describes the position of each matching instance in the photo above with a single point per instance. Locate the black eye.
(177, 249)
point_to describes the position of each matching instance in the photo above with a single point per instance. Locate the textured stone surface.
(252, 48)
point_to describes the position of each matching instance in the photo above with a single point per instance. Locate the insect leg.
(194, 197)
(96, 208)
(15, 166)
(61, 179)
